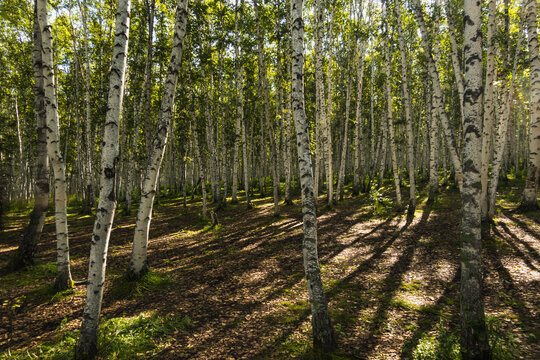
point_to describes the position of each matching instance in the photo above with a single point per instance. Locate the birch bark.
(63, 275)
(406, 104)
(389, 114)
(528, 201)
(87, 345)
(139, 264)
(489, 106)
(474, 339)
(323, 333)
(437, 94)
(27, 247)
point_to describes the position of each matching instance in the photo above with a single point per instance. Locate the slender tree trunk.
(345, 139)
(320, 110)
(458, 72)
(87, 345)
(437, 94)
(239, 102)
(245, 163)
(489, 107)
(433, 150)
(359, 156)
(327, 140)
(139, 263)
(141, 109)
(271, 129)
(89, 176)
(27, 247)
(528, 201)
(63, 276)
(406, 103)
(474, 337)
(323, 333)
(389, 116)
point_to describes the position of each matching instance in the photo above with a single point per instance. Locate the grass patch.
(30, 275)
(152, 281)
(443, 343)
(121, 338)
(413, 286)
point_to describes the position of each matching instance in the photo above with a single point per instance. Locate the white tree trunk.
(323, 334)
(406, 104)
(359, 155)
(504, 117)
(437, 94)
(389, 116)
(474, 340)
(239, 104)
(87, 345)
(270, 125)
(528, 201)
(458, 72)
(138, 264)
(27, 247)
(63, 276)
(489, 106)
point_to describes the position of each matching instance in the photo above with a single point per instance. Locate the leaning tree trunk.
(528, 201)
(63, 276)
(407, 106)
(27, 247)
(138, 264)
(474, 339)
(87, 345)
(323, 333)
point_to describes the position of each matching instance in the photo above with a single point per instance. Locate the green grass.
(34, 274)
(152, 281)
(121, 338)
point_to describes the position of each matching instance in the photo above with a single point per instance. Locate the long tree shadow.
(532, 252)
(394, 278)
(427, 320)
(517, 250)
(525, 315)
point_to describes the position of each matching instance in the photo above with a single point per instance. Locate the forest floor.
(237, 290)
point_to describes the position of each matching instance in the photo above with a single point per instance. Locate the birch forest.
(269, 179)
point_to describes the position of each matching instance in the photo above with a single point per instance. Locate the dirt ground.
(391, 283)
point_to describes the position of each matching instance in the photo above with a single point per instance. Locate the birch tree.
(437, 93)
(528, 200)
(406, 104)
(87, 344)
(27, 247)
(63, 276)
(489, 106)
(389, 112)
(323, 333)
(138, 264)
(474, 337)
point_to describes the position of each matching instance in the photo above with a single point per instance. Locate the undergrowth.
(120, 338)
